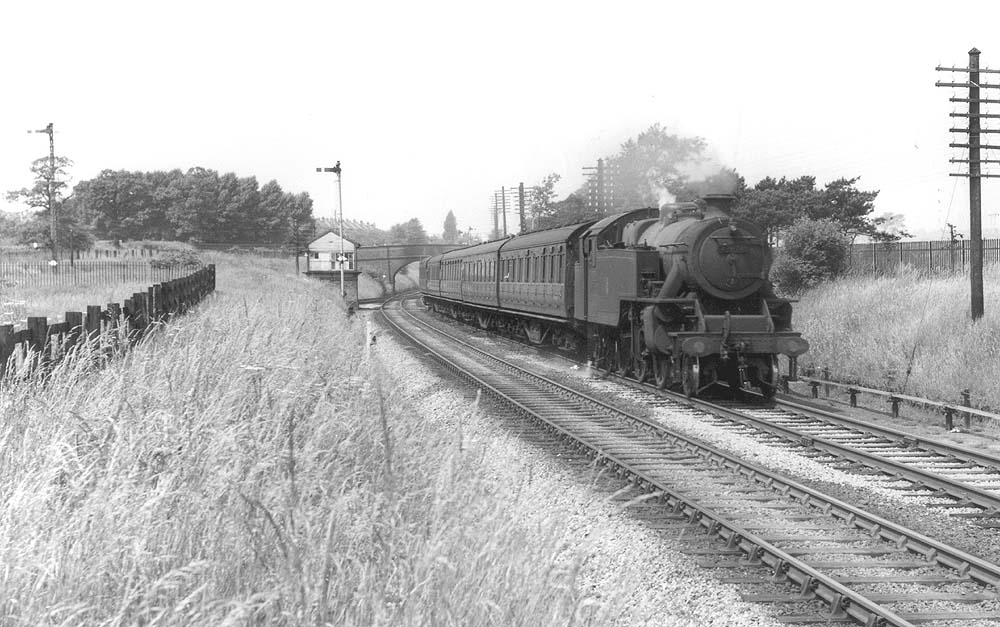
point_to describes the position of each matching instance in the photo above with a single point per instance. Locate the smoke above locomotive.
(678, 295)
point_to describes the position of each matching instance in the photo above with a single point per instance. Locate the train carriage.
(680, 294)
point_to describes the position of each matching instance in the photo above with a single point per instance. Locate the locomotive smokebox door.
(733, 261)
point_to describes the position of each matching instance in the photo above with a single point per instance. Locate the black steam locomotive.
(679, 295)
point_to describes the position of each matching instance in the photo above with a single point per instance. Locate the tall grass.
(248, 465)
(906, 332)
(54, 301)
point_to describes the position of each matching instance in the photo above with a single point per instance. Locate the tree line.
(198, 205)
(811, 225)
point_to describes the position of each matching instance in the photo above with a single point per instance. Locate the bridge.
(390, 259)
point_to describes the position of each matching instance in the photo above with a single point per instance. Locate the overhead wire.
(927, 291)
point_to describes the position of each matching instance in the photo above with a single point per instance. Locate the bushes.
(813, 251)
(177, 259)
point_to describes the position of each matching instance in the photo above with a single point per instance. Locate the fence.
(23, 253)
(41, 274)
(41, 345)
(931, 257)
(269, 251)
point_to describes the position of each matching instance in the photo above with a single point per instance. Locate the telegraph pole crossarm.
(974, 132)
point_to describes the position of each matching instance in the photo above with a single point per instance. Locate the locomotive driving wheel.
(661, 370)
(690, 375)
(769, 377)
(643, 367)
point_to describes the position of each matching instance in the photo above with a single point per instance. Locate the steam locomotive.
(678, 295)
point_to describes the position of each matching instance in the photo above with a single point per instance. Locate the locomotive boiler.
(677, 295)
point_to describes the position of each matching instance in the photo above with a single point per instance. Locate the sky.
(432, 106)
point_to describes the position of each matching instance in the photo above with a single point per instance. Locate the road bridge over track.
(388, 260)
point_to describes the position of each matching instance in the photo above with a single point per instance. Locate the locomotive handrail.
(949, 409)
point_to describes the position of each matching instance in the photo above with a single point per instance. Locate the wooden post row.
(139, 312)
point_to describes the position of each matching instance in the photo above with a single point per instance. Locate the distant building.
(323, 261)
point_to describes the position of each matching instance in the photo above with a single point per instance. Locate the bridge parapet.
(391, 258)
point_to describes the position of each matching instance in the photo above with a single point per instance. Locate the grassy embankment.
(249, 465)
(873, 330)
(54, 301)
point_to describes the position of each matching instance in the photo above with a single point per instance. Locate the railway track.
(962, 478)
(802, 546)
(959, 478)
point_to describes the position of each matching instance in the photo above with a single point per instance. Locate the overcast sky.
(431, 106)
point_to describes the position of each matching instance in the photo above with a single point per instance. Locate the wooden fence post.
(966, 402)
(38, 327)
(93, 322)
(6, 346)
(156, 294)
(114, 315)
(74, 320)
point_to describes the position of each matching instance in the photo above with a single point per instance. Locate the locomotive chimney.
(721, 202)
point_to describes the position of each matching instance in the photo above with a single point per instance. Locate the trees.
(541, 206)
(777, 204)
(197, 205)
(652, 166)
(450, 233)
(410, 232)
(813, 251)
(116, 203)
(51, 178)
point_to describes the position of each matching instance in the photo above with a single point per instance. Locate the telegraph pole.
(503, 208)
(974, 131)
(496, 216)
(51, 196)
(520, 205)
(601, 187)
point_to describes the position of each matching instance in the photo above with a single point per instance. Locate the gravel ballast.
(617, 544)
(665, 587)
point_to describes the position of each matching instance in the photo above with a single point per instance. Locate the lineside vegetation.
(249, 465)
(906, 332)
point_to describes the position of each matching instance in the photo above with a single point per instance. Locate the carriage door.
(581, 277)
